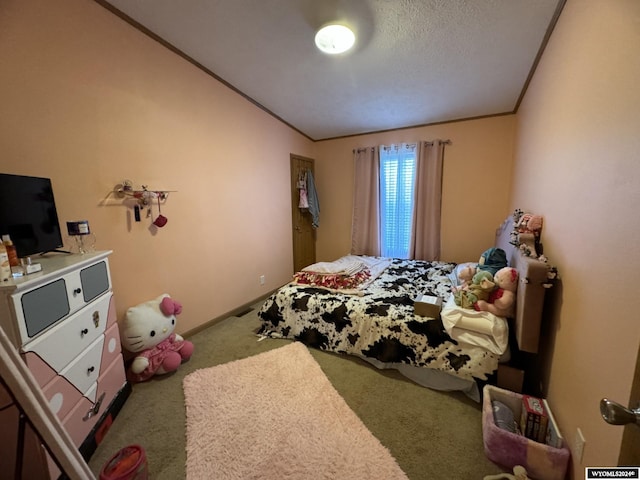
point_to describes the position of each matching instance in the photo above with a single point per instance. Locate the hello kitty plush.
(147, 331)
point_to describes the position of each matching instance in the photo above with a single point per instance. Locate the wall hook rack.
(143, 199)
(145, 195)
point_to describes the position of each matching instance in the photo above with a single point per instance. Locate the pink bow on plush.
(168, 306)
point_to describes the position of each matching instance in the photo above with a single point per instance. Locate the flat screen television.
(28, 214)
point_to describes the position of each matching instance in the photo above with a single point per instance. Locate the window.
(397, 186)
(396, 200)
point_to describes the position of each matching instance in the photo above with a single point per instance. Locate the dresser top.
(53, 265)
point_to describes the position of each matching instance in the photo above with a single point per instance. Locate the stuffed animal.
(147, 331)
(502, 300)
(527, 228)
(492, 260)
(530, 223)
(479, 289)
(465, 276)
(519, 473)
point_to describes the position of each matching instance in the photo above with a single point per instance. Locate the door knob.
(616, 414)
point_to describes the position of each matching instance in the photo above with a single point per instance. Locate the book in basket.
(534, 419)
(554, 437)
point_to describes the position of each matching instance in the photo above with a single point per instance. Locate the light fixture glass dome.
(335, 39)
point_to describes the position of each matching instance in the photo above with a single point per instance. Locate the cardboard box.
(427, 306)
(534, 419)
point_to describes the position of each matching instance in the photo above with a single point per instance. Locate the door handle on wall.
(616, 414)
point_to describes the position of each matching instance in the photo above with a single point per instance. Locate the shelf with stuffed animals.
(526, 237)
(500, 298)
(491, 284)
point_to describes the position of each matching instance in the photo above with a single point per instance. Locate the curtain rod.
(364, 149)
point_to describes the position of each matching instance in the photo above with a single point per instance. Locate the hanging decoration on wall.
(144, 199)
(160, 220)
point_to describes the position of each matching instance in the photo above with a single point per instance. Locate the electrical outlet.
(262, 279)
(578, 446)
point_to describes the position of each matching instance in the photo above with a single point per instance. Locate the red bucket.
(130, 463)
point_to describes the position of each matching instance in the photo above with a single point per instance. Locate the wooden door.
(304, 235)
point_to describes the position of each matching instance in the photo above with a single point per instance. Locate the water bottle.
(5, 267)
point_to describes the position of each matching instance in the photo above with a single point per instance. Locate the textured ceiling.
(415, 62)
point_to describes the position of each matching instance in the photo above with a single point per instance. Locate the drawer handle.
(84, 331)
(90, 370)
(96, 319)
(95, 409)
(77, 291)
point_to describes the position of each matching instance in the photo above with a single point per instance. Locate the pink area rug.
(276, 416)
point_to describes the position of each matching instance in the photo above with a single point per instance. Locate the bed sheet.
(380, 324)
(476, 328)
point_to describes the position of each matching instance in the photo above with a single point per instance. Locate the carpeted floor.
(432, 435)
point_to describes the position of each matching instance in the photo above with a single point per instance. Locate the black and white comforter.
(380, 324)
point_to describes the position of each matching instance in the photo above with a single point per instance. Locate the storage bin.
(507, 449)
(129, 463)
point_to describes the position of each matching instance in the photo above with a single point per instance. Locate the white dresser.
(62, 320)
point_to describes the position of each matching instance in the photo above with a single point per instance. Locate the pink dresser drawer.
(61, 395)
(110, 382)
(111, 348)
(41, 370)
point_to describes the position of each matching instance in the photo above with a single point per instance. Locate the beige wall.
(577, 164)
(89, 101)
(477, 175)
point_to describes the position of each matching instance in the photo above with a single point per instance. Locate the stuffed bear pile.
(488, 286)
(480, 288)
(502, 299)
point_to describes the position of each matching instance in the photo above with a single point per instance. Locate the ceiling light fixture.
(334, 39)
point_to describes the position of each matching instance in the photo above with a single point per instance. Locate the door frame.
(302, 231)
(630, 445)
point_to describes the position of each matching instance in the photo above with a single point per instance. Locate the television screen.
(28, 214)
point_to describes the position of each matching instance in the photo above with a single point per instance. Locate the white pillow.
(483, 329)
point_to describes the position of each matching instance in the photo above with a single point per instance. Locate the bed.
(377, 322)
